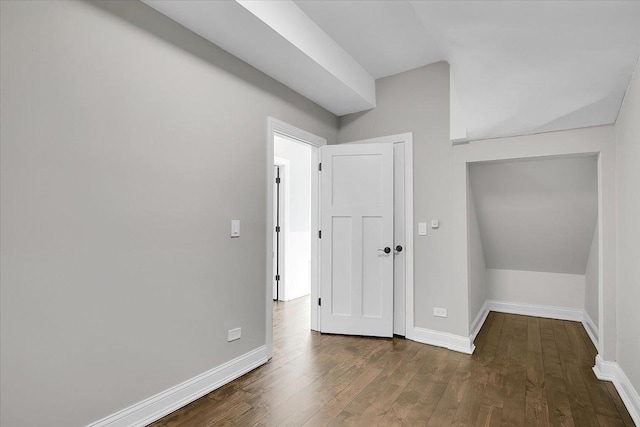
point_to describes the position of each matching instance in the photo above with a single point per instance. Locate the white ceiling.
(385, 37)
(520, 67)
(536, 215)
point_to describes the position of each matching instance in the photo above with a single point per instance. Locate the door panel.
(357, 224)
(341, 267)
(372, 268)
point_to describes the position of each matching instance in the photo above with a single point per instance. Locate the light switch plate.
(439, 312)
(235, 228)
(234, 334)
(435, 223)
(422, 229)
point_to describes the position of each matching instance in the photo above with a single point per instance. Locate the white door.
(357, 239)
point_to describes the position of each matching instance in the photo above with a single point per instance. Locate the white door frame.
(284, 165)
(407, 139)
(280, 127)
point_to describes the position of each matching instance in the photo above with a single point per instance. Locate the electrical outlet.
(439, 312)
(234, 334)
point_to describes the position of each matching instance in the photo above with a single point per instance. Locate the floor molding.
(550, 312)
(479, 321)
(611, 371)
(156, 407)
(453, 342)
(591, 328)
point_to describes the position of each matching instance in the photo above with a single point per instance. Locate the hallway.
(525, 371)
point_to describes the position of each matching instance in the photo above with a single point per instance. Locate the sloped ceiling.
(520, 67)
(524, 67)
(536, 215)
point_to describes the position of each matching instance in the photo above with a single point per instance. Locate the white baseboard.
(479, 321)
(591, 328)
(611, 371)
(562, 313)
(156, 407)
(443, 339)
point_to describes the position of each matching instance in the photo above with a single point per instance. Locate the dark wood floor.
(525, 371)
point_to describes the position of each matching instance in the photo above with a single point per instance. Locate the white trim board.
(591, 328)
(443, 339)
(163, 403)
(611, 371)
(479, 321)
(284, 164)
(550, 312)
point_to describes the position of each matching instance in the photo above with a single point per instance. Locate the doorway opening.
(292, 215)
(292, 221)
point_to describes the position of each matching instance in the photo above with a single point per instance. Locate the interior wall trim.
(163, 403)
(591, 328)
(611, 371)
(550, 312)
(453, 342)
(479, 321)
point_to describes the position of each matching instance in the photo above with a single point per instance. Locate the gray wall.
(418, 101)
(128, 145)
(477, 265)
(591, 280)
(537, 214)
(627, 130)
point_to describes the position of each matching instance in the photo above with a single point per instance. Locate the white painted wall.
(296, 221)
(128, 145)
(599, 140)
(477, 266)
(418, 101)
(591, 281)
(627, 131)
(534, 287)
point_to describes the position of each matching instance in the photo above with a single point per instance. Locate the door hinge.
(277, 228)
(320, 166)
(319, 234)
(320, 301)
(278, 180)
(277, 277)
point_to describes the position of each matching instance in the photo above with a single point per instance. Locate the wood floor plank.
(536, 408)
(570, 360)
(514, 406)
(622, 411)
(525, 371)
(555, 390)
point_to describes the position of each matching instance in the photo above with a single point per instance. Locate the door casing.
(283, 164)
